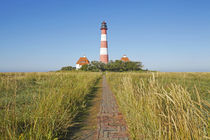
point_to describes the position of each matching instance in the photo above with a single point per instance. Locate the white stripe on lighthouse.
(103, 37)
(103, 51)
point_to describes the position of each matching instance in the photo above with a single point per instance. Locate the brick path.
(111, 125)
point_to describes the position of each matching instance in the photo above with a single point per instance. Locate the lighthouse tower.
(104, 46)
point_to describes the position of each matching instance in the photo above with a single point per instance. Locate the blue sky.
(44, 35)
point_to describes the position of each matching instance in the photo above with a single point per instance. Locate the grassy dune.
(42, 105)
(164, 105)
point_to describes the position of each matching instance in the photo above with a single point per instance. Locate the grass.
(87, 128)
(164, 105)
(155, 105)
(42, 105)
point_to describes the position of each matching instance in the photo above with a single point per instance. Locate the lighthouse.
(104, 58)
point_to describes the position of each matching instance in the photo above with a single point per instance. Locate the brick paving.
(111, 125)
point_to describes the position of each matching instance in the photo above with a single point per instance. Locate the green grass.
(155, 105)
(164, 105)
(42, 105)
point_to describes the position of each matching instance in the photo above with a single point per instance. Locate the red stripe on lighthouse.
(104, 44)
(103, 31)
(104, 58)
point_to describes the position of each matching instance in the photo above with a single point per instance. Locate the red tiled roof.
(125, 59)
(83, 61)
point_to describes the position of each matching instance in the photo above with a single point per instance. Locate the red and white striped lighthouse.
(104, 45)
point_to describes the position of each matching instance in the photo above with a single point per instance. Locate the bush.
(68, 68)
(116, 66)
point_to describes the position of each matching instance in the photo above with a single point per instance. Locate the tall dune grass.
(162, 106)
(42, 105)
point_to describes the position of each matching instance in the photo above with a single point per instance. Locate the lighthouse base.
(104, 59)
